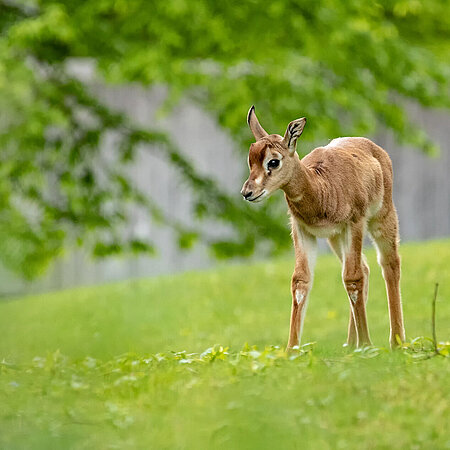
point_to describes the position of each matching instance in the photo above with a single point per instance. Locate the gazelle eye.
(273, 163)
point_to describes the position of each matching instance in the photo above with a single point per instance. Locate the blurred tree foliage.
(347, 66)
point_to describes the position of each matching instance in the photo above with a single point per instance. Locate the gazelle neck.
(301, 185)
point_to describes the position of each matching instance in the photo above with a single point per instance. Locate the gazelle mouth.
(256, 198)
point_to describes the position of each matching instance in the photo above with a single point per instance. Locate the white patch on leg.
(299, 297)
(354, 296)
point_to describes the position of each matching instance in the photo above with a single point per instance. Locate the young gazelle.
(336, 192)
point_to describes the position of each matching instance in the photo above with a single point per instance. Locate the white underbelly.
(324, 231)
(329, 230)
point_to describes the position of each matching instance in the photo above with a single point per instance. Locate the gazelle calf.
(336, 192)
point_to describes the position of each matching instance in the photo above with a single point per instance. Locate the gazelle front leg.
(305, 255)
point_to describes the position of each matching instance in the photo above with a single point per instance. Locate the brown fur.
(339, 192)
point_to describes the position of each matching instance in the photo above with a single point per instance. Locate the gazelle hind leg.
(355, 278)
(352, 334)
(385, 235)
(336, 243)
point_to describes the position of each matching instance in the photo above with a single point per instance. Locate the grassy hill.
(121, 365)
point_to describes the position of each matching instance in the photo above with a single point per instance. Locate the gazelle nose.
(247, 194)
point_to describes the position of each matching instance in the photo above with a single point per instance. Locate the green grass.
(63, 385)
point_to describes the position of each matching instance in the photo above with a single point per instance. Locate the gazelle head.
(272, 159)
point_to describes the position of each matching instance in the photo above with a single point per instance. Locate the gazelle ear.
(257, 130)
(293, 132)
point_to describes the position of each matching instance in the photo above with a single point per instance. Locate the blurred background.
(123, 134)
